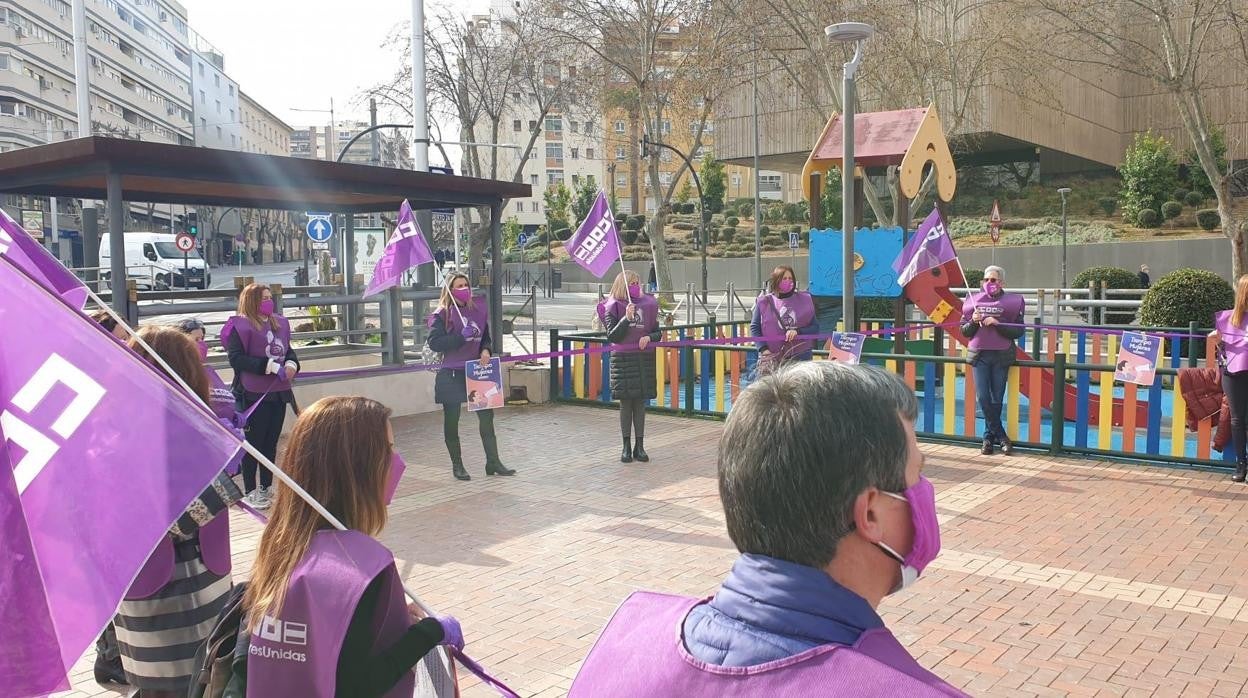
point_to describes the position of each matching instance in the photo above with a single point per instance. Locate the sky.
(298, 54)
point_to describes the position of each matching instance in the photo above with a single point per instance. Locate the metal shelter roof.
(177, 174)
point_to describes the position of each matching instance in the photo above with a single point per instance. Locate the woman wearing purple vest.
(631, 318)
(325, 608)
(221, 399)
(257, 341)
(784, 311)
(460, 330)
(186, 580)
(989, 319)
(1232, 332)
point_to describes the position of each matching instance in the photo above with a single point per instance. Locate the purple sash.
(263, 342)
(476, 317)
(296, 653)
(641, 653)
(220, 399)
(647, 316)
(1006, 308)
(779, 315)
(1234, 342)
(214, 548)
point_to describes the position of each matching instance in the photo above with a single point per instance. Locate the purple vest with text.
(220, 399)
(476, 317)
(647, 315)
(1008, 308)
(214, 548)
(263, 342)
(1234, 341)
(296, 654)
(779, 315)
(640, 653)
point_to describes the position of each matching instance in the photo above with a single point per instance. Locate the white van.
(152, 259)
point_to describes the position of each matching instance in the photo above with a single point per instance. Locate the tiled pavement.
(1058, 577)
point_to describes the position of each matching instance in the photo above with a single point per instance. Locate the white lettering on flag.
(594, 243)
(5, 241)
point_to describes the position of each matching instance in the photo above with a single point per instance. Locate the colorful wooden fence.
(705, 380)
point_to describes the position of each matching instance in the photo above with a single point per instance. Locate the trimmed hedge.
(1107, 204)
(1171, 210)
(974, 277)
(1208, 219)
(1148, 218)
(1115, 277)
(1194, 199)
(1185, 296)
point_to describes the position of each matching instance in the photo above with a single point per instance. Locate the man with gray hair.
(992, 321)
(821, 481)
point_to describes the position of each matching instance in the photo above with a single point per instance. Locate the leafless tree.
(1179, 48)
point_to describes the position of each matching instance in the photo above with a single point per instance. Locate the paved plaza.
(1057, 577)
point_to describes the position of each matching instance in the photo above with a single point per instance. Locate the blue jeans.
(991, 370)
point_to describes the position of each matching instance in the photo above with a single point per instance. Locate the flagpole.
(251, 450)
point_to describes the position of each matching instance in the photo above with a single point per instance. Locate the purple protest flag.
(596, 244)
(405, 249)
(99, 455)
(928, 248)
(38, 263)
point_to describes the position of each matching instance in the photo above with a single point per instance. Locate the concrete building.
(140, 61)
(262, 131)
(392, 146)
(217, 111)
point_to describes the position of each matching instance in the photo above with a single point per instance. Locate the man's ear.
(868, 521)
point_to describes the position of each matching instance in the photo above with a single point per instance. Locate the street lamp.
(855, 33)
(1064, 191)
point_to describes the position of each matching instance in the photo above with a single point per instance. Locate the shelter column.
(348, 273)
(496, 275)
(117, 245)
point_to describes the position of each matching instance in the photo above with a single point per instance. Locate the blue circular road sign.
(320, 229)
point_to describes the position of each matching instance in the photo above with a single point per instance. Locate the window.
(574, 126)
(589, 179)
(231, 90)
(219, 132)
(589, 153)
(217, 79)
(620, 153)
(533, 180)
(554, 124)
(218, 106)
(619, 127)
(537, 206)
(665, 155)
(574, 156)
(736, 180)
(554, 151)
(233, 139)
(203, 122)
(516, 125)
(665, 177)
(666, 126)
(520, 207)
(589, 128)
(532, 154)
(203, 98)
(571, 71)
(576, 180)
(201, 70)
(554, 177)
(231, 116)
(515, 96)
(532, 125)
(621, 182)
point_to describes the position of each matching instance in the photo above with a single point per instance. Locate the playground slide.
(930, 291)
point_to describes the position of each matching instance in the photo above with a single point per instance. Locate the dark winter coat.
(633, 373)
(449, 387)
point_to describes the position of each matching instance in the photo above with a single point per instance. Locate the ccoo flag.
(38, 263)
(405, 249)
(596, 244)
(99, 455)
(928, 248)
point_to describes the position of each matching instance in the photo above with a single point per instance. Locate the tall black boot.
(493, 464)
(108, 659)
(457, 461)
(626, 456)
(639, 452)
(1241, 470)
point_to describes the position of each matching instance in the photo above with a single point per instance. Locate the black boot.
(1241, 470)
(987, 449)
(626, 456)
(108, 660)
(639, 452)
(493, 464)
(1007, 446)
(457, 461)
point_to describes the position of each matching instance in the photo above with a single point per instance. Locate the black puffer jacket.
(449, 386)
(632, 372)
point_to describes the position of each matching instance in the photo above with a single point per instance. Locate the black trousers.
(263, 430)
(633, 417)
(450, 434)
(1235, 386)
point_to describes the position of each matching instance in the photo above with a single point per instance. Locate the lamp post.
(1064, 191)
(855, 33)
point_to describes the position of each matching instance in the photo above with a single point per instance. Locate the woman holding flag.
(631, 318)
(783, 311)
(257, 341)
(460, 330)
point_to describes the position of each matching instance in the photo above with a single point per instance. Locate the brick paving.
(1058, 577)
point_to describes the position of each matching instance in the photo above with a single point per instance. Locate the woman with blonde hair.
(257, 341)
(460, 330)
(325, 608)
(1231, 332)
(631, 318)
(186, 580)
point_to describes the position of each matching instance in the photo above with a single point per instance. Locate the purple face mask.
(267, 307)
(921, 497)
(634, 291)
(992, 287)
(461, 295)
(397, 466)
(786, 285)
(202, 346)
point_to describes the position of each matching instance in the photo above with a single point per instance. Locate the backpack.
(220, 667)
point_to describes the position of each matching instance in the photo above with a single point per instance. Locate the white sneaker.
(267, 493)
(257, 500)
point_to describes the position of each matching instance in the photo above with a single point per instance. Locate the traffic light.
(192, 223)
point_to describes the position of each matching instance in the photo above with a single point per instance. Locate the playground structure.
(912, 140)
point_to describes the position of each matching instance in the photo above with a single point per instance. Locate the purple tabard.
(296, 654)
(647, 317)
(641, 653)
(476, 317)
(1008, 308)
(1234, 341)
(214, 548)
(779, 315)
(262, 342)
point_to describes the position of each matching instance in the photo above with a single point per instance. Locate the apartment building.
(262, 131)
(218, 107)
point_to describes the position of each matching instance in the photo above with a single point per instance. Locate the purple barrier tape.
(479, 671)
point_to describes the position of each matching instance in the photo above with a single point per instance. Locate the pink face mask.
(921, 497)
(786, 286)
(267, 307)
(461, 295)
(634, 291)
(397, 466)
(992, 287)
(202, 346)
